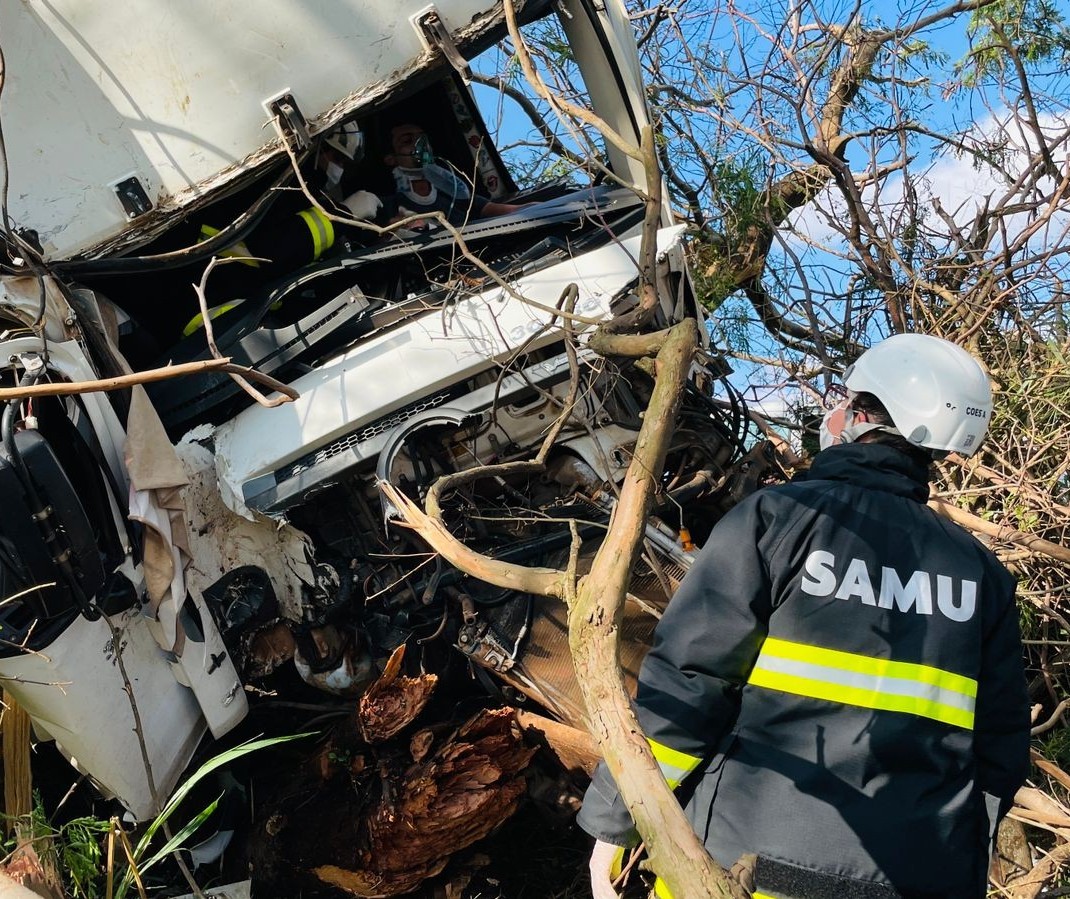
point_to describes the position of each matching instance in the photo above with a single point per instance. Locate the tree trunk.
(677, 854)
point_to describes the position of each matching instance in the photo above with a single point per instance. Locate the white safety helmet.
(936, 393)
(348, 140)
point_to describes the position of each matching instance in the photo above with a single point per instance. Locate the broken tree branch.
(1042, 875)
(999, 532)
(595, 607)
(641, 316)
(149, 376)
(450, 482)
(540, 581)
(209, 333)
(677, 854)
(557, 103)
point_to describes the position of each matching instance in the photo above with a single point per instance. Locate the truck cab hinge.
(435, 35)
(289, 121)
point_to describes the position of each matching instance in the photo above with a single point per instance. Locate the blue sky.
(755, 34)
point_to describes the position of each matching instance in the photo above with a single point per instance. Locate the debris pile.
(381, 806)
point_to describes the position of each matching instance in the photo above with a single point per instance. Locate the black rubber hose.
(42, 512)
(236, 231)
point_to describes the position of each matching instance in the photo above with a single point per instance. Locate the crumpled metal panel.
(118, 114)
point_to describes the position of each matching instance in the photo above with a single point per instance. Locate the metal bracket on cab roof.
(435, 35)
(289, 121)
(132, 195)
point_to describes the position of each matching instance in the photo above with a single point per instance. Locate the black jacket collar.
(873, 466)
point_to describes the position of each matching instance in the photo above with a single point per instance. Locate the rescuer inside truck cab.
(837, 687)
(424, 186)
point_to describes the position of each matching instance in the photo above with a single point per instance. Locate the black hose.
(41, 511)
(7, 429)
(233, 233)
(703, 481)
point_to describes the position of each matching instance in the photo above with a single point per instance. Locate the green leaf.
(224, 758)
(207, 768)
(179, 839)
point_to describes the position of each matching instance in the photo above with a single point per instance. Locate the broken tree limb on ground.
(1042, 874)
(572, 749)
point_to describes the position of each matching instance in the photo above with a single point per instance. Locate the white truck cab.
(156, 539)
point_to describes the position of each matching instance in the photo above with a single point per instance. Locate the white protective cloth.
(603, 859)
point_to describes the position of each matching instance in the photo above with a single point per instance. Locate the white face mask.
(334, 174)
(835, 425)
(840, 425)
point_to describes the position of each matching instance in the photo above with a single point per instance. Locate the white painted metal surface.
(387, 371)
(615, 82)
(72, 689)
(173, 93)
(74, 693)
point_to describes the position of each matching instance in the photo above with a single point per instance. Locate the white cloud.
(958, 181)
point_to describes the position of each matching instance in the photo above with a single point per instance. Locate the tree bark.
(677, 854)
(595, 606)
(999, 532)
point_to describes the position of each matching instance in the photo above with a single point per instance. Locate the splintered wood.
(458, 795)
(379, 810)
(393, 701)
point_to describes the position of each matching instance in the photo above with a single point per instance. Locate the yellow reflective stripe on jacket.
(321, 228)
(662, 891)
(675, 765)
(864, 681)
(198, 320)
(235, 251)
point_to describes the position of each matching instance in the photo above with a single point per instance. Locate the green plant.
(79, 845)
(75, 847)
(143, 856)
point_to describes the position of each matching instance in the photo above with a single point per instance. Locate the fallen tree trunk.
(595, 604)
(676, 852)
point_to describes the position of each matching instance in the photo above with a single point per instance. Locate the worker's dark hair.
(878, 414)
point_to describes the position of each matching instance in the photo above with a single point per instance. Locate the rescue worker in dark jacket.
(838, 683)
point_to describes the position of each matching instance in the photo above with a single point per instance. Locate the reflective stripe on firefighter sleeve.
(237, 251)
(675, 765)
(864, 681)
(662, 891)
(691, 681)
(321, 228)
(197, 322)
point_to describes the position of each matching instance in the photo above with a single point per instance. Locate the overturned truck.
(169, 545)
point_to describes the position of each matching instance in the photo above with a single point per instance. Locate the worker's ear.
(391, 160)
